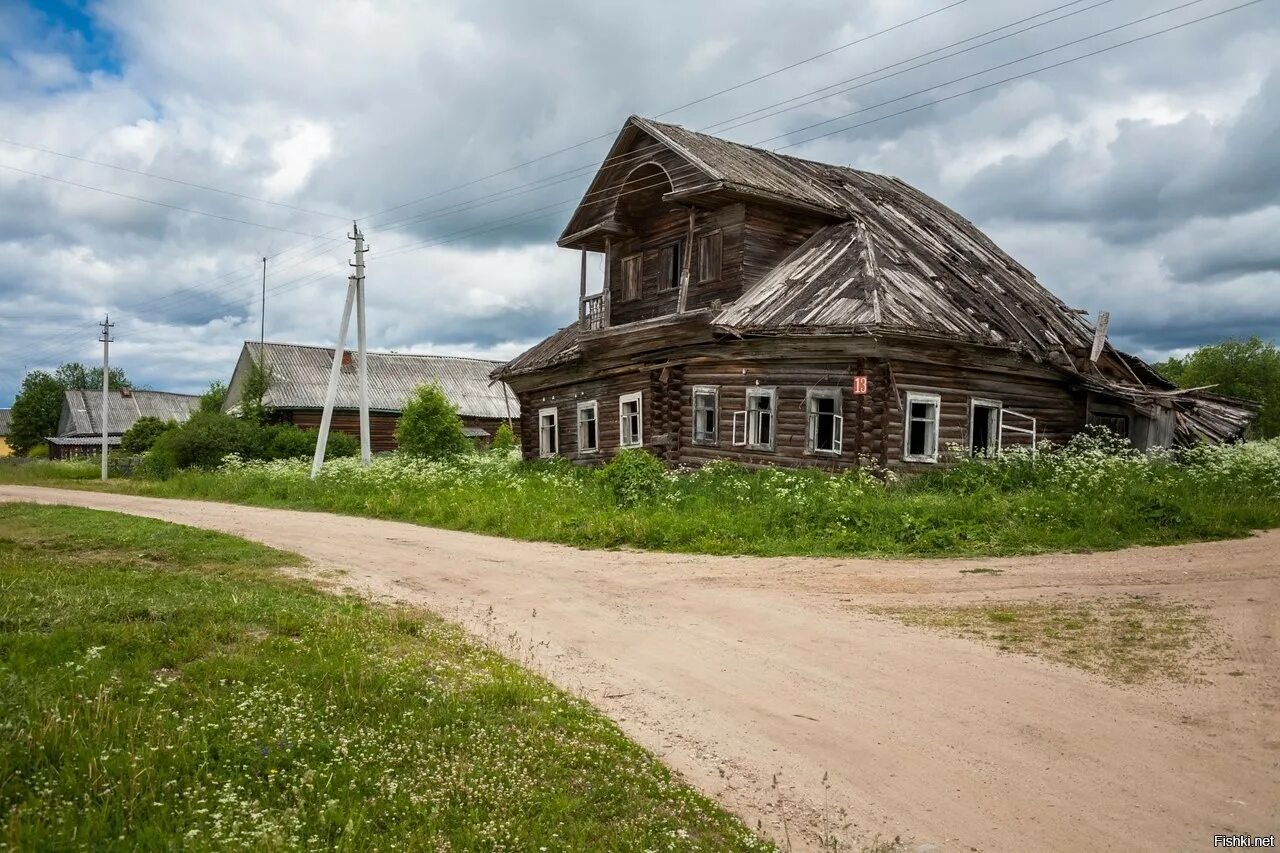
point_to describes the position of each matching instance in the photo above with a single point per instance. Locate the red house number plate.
(859, 384)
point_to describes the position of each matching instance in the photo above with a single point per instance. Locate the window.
(984, 427)
(921, 440)
(630, 277)
(709, 257)
(548, 433)
(1117, 424)
(825, 432)
(588, 427)
(756, 421)
(706, 414)
(631, 420)
(670, 266)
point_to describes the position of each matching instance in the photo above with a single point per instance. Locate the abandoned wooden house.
(298, 377)
(80, 424)
(774, 310)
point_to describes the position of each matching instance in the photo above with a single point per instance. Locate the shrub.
(207, 437)
(504, 439)
(633, 477)
(39, 451)
(430, 427)
(289, 442)
(339, 446)
(138, 438)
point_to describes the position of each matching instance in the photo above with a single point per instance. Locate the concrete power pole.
(106, 339)
(355, 287)
(362, 367)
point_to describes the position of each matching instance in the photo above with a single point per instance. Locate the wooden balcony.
(593, 312)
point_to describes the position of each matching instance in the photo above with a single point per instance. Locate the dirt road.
(757, 678)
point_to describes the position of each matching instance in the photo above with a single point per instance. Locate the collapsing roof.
(300, 377)
(82, 410)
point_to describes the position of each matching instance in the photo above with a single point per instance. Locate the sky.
(152, 153)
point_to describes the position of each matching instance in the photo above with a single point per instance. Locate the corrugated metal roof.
(82, 410)
(300, 377)
(4, 421)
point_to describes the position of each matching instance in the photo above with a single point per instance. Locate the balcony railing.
(593, 312)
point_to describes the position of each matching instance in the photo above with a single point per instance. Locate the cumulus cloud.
(1141, 181)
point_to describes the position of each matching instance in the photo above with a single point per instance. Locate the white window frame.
(594, 407)
(811, 421)
(543, 451)
(931, 447)
(750, 420)
(997, 429)
(637, 440)
(704, 390)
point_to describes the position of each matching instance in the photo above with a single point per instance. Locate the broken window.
(709, 257)
(548, 433)
(825, 432)
(756, 421)
(984, 427)
(921, 440)
(631, 420)
(670, 259)
(706, 414)
(588, 427)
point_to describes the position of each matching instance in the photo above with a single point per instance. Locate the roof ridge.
(377, 352)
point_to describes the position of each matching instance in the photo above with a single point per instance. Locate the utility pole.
(362, 367)
(355, 286)
(106, 339)
(262, 328)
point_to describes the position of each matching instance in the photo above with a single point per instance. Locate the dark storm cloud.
(1153, 177)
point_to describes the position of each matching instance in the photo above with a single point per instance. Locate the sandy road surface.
(742, 671)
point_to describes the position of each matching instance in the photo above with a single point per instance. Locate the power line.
(179, 181)
(153, 201)
(539, 214)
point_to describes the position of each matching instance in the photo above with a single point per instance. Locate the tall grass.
(1095, 493)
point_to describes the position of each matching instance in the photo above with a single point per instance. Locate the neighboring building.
(80, 424)
(768, 309)
(299, 377)
(5, 449)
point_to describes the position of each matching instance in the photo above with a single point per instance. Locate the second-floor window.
(670, 266)
(630, 420)
(631, 277)
(709, 257)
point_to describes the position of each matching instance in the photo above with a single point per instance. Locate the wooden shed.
(299, 377)
(769, 309)
(80, 424)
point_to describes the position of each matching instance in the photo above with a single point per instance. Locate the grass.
(162, 688)
(1089, 496)
(1130, 640)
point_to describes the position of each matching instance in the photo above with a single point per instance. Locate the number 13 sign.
(859, 384)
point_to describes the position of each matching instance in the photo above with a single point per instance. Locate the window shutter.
(631, 277)
(740, 442)
(709, 257)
